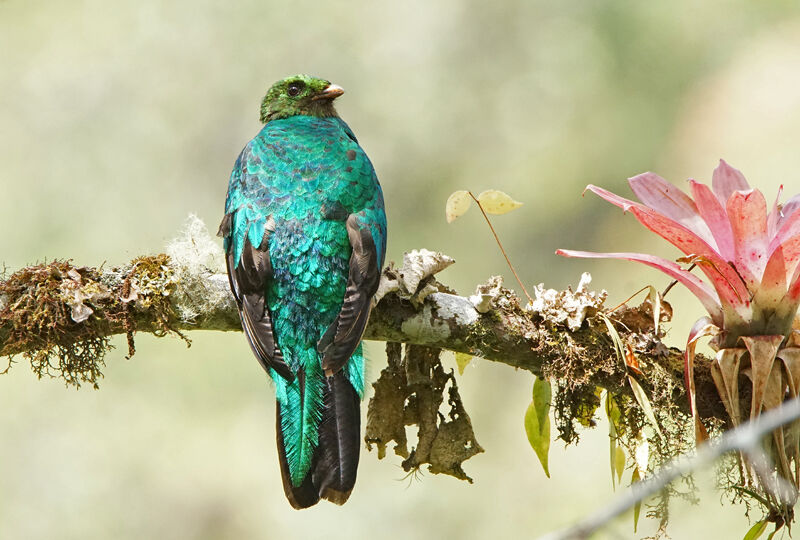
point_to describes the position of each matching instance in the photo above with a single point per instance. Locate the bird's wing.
(367, 233)
(249, 279)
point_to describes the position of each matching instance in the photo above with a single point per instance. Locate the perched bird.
(305, 238)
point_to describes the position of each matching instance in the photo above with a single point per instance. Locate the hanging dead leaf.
(631, 360)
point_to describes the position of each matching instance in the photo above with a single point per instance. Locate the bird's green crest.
(300, 95)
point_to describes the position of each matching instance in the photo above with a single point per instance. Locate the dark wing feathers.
(344, 334)
(248, 283)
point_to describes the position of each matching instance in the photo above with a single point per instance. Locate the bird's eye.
(295, 88)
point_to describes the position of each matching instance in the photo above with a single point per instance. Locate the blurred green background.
(118, 119)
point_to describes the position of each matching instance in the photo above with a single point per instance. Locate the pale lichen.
(425, 328)
(197, 261)
(568, 308)
(450, 306)
(78, 294)
(487, 293)
(414, 281)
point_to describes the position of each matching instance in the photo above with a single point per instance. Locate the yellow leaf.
(641, 455)
(462, 360)
(497, 202)
(537, 422)
(619, 463)
(756, 530)
(615, 453)
(637, 508)
(644, 402)
(457, 205)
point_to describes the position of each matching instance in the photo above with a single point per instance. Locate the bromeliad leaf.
(457, 205)
(497, 202)
(537, 422)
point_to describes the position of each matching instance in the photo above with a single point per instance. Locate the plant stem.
(500, 244)
(675, 282)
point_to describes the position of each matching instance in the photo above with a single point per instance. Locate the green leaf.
(756, 530)
(613, 413)
(457, 205)
(497, 202)
(644, 402)
(615, 454)
(537, 422)
(637, 508)
(619, 463)
(462, 360)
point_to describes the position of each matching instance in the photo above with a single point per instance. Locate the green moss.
(153, 280)
(39, 321)
(59, 316)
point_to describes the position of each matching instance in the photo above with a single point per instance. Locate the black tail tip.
(335, 496)
(301, 497)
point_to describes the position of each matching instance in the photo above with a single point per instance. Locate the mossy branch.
(60, 316)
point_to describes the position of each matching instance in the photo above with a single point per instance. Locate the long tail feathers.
(335, 461)
(336, 457)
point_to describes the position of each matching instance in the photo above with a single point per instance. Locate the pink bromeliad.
(749, 255)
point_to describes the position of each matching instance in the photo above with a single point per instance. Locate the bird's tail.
(332, 473)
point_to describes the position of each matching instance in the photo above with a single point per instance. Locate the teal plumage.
(305, 237)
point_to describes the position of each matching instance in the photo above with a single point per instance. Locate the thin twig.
(675, 282)
(500, 244)
(743, 438)
(615, 308)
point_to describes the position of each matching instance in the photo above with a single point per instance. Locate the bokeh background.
(118, 119)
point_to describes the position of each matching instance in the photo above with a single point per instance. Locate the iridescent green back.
(304, 174)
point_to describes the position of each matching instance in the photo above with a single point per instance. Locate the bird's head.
(300, 95)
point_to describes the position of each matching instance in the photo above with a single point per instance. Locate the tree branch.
(60, 318)
(54, 307)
